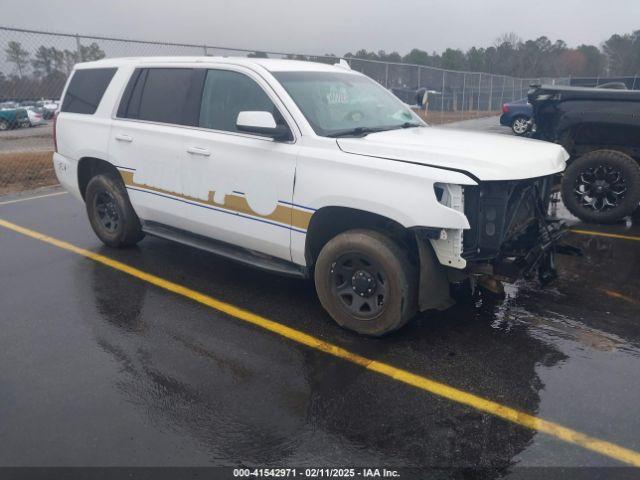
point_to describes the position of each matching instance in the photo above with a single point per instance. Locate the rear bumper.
(67, 172)
(505, 120)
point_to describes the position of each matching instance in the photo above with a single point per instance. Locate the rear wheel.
(110, 213)
(520, 125)
(365, 282)
(4, 125)
(602, 186)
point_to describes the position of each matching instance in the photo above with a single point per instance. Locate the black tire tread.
(632, 177)
(381, 244)
(131, 233)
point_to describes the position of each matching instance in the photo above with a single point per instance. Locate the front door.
(243, 182)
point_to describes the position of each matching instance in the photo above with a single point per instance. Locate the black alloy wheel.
(602, 186)
(107, 211)
(360, 284)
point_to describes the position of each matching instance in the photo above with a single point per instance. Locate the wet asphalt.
(102, 369)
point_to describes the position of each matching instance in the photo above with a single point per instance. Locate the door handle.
(124, 138)
(198, 151)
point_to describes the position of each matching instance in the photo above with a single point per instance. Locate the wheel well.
(587, 137)
(328, 222)
(89, 167)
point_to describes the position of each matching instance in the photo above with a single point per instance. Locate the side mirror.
(262, 123)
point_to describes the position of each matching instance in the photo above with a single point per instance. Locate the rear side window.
(159, 95)
(86, 89)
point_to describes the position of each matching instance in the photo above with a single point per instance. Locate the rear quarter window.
(86, 89)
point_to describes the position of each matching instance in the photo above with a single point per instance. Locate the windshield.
(339, 104)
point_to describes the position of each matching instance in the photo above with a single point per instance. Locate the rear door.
(146, 142)
(243, 182)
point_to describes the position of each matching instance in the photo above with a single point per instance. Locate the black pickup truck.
(600, 128)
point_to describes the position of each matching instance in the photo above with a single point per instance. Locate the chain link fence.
(34, 66)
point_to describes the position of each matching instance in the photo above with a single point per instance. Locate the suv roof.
(576, 93)
(270, 64)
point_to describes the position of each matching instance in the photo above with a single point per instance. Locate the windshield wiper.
(410, 125)
(351, 132)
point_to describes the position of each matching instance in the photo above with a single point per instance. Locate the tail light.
(505, 108)
(55, 138)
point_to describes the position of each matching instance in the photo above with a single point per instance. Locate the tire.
(4, 125)
(600, 178)
(353, 258)
(520, 125)
(110, 212)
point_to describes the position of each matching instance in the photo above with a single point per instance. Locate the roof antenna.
(343, 64)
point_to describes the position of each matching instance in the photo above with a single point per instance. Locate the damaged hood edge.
(484, 156)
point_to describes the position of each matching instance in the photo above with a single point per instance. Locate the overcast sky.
(330, 26)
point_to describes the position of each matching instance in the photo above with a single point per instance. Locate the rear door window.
(159, 95)
(86, 89)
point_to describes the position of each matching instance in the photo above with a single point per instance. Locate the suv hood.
(485, 156)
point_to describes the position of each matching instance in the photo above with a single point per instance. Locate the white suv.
(304, 169)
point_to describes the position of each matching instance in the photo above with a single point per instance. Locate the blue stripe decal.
(218, 210)
(284, 203)
(298, 206)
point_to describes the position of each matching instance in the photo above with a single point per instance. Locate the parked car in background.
(600, 128)
(35, 116)
(50, 109)
(305, 169)
(516, 115)
(13, 118)
(8, 105)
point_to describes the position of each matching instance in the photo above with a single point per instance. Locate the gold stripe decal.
(289, 216)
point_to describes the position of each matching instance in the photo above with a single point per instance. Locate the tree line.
(510, 55)
(43, 73)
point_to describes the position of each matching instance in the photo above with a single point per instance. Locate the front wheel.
(110, 213)
(520, 126)
(4, 125)
(602, 186)
(366, 283)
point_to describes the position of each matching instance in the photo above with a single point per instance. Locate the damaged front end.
(511, 235)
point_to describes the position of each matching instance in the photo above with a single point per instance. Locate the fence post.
(490, 106)
(204, 47)
(79, 48)
(386, 75)
(479, 88)
(444, 73)
(419, 80)
(464, 88)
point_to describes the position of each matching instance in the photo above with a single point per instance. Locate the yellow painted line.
(18, 200)
(604, 234)
(620, 296)
(565, 434)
